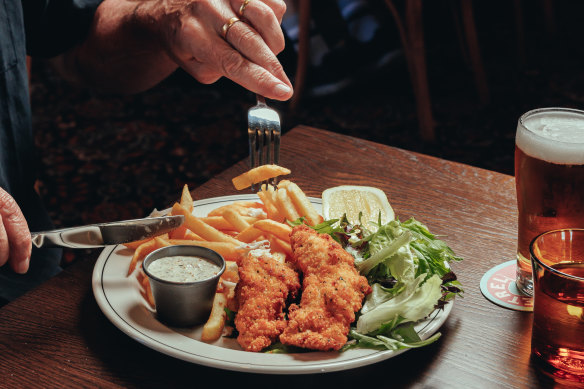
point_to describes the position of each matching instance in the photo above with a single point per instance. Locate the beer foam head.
(555, 136)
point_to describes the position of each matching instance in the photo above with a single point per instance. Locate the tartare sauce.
(181, 268)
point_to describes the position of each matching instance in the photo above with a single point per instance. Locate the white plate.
(119, 298)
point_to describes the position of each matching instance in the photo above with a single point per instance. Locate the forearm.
(122, 53)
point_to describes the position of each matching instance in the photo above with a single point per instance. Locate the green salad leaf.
(414, 303)
(408, 270)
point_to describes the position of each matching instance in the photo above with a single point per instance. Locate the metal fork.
(264, 130)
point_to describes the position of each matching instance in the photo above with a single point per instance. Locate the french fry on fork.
(257, 175)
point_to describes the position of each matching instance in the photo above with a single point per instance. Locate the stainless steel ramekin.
(184, 304)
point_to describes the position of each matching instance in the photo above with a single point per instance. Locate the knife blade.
(105, 234)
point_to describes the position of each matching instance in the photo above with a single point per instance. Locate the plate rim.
(122, 323)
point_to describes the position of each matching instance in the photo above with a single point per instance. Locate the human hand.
(195, 35)
(15, 241)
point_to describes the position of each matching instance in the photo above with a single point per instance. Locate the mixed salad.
(408, 270)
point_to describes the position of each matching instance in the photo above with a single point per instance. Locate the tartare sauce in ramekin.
(181, 268)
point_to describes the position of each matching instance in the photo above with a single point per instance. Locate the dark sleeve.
(54, 26)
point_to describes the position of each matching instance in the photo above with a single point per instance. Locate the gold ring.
(242, 8)
(228, 25)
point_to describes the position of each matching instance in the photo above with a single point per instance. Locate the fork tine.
(264, 137)
(276, 132)
(264, 145)
(268, 141)
(251, 132)
(261, 144)
(253, 143)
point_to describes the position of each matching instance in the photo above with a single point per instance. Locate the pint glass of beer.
(549, 178)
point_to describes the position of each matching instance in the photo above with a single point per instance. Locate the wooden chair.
(411, 31)
(303, 7)
(549, 23)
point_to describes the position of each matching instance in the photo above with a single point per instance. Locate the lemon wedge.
(352, 199)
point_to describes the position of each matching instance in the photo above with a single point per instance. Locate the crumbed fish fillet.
(264, 287)
(332, 291)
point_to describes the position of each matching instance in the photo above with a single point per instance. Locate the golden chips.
(230, 230)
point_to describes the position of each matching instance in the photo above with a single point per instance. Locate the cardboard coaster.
(498, 286)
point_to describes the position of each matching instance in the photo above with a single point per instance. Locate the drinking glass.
(558, 312)
(549, 178)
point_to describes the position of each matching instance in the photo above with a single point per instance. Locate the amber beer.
(549, 177)
(557, 339)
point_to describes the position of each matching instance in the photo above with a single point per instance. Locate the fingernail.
(23, 266)
(282, 90)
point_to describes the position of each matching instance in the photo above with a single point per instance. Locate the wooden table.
(56, 334)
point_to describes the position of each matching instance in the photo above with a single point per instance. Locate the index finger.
(246, 59)
(250, 75)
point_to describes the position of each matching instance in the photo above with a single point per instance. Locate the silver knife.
(104, 234)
